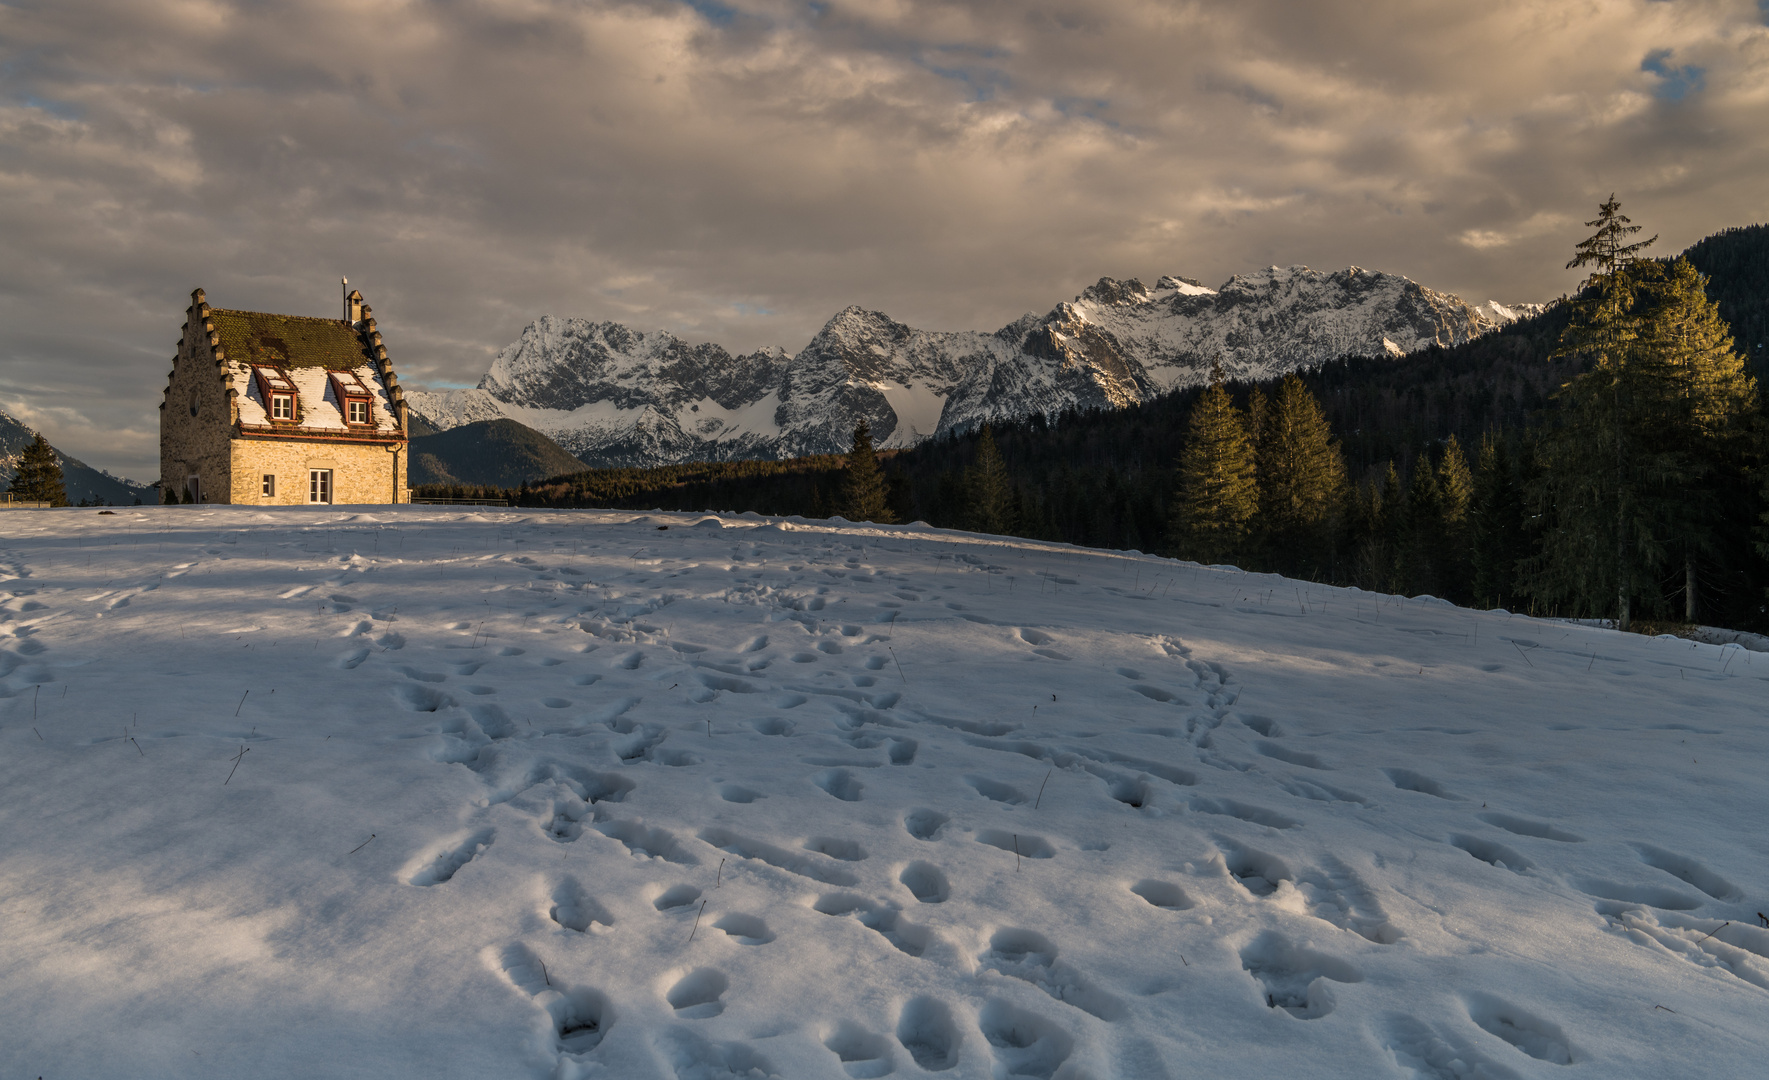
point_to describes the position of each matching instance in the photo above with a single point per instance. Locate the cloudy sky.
(740, 171)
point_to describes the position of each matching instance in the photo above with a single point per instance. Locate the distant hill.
(83, 482)
(498, 453)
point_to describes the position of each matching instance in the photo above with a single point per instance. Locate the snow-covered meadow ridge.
(415, 792)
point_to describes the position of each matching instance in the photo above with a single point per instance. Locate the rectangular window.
(269, 486)
(359, 411)
(319, 485)
(282, 406)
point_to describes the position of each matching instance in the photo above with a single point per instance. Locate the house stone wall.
(360, 474)
(197, 445)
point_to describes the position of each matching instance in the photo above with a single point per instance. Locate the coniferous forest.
(1602, 459)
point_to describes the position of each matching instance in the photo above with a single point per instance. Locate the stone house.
(265, 409)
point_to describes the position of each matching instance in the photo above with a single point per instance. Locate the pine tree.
(1419, 545)
(1218, 485)
(1455, 491)
(39, 475)
(1496, 526)
(863, 494)
(1705, 419)
(1301, 482)
(990, 492)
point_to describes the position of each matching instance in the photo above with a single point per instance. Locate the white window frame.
(282, 406)
(319, 485)
(351, 408)
(269, 486)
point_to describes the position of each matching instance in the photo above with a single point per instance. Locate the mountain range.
(616, 397)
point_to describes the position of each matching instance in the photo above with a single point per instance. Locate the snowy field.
(413, 792)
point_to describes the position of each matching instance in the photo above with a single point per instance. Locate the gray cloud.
(740, 171)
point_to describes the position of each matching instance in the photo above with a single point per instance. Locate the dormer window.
(353, 397)
(277, 391)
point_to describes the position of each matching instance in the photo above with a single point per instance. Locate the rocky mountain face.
(619, 397)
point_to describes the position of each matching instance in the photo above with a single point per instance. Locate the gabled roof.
(290, 341)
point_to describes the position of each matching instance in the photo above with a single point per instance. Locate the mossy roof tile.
(295, 341)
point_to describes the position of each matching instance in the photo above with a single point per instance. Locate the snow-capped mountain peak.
(617, 396)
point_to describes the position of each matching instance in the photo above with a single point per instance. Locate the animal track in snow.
(1525, 827)
(1254, 870)
(1336, 894)
(1278, 752)
(1031, 957)
(448, 862)
(1319, 792)
(924, 824)
(699, 994)
(744, 929)
(575, 909)
(1294, 978)
(839, 783)
(1408, 780)
(772, 725)
(1024, 845)
(886, 919)
(1434, 1056)
(862, 1054)
(1658, 896)
(844, 850)
(1257, 815)
(647, 842)
(1687, 869)
(925, 1028)
(421, 698)
(780, 858)
(1539, 1038)
(676, 897)
(995, 790)
(1163, 894)
(737, 793)
(1025, 1043)
(1489, 852)
(926, 882)
(581, 1016)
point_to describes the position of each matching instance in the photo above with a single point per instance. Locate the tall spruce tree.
(1706, 418)
(1218, 483)
(1301, 483)
(990, 491)
(1601, 497)
(863, 493)
(39, 475)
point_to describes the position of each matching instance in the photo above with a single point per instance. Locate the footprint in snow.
(1025, 1044)
(1294, 978)
(580, 1016)
(699, 994)
(862, 1054)
(925, 1029)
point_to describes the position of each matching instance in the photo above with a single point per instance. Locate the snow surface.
(414, 792)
